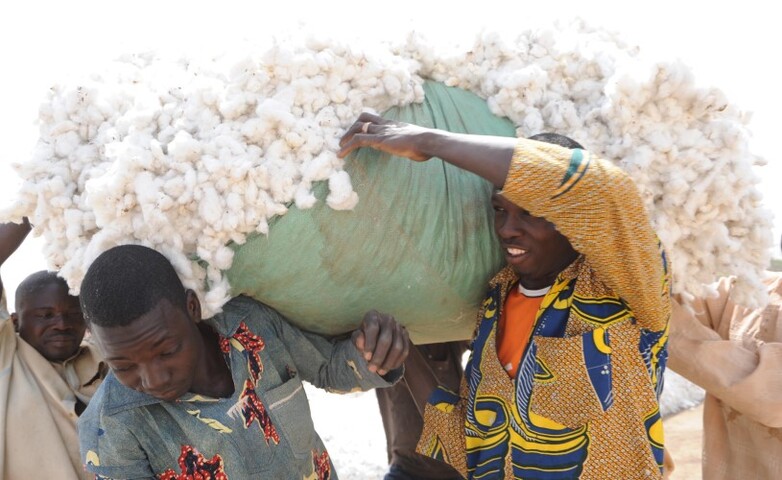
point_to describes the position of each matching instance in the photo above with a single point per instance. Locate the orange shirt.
(516, 322)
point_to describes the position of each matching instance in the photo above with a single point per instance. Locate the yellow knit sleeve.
(598, 208)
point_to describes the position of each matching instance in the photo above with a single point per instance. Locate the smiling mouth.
(61, 339)
(515, 252)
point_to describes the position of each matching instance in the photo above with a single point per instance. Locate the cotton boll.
(304, 198)
(319, 168)
(73, 223)
(234, 106)
(218, 295)
(210, 206)
(184, 148)
(533, 122)
(66, 143)
(262, 227)
(341, 195)
(175, 187)
(392, 85)
(294, 140)
(327, 118)
(339, 94)
(223, 258)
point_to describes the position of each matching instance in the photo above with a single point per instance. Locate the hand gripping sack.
(419, 245)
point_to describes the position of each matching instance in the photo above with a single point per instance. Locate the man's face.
(157, 353)
(533, 247)
(51, 321)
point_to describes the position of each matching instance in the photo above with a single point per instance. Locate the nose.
(61, 321)
(155, 378)
(510, 227)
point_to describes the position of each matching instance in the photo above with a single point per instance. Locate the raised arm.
(484, 155)
(590, 201)
(11, 236)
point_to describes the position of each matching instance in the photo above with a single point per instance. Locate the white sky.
(727, 44)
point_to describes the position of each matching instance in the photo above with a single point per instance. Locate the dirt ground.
(683, 439)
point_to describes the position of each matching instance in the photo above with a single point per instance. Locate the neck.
(536, 284)
(213, 377)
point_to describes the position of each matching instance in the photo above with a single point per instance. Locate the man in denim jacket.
(219, 398)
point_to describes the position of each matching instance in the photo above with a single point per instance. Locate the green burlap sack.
(419, 244)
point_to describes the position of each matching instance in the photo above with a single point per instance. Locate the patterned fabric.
(583, 403)
(193, 466)
(264, 430)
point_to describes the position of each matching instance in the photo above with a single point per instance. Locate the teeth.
(516, 251)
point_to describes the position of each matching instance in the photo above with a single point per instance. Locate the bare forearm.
(487, 156)
(11, 236)
(484, 155)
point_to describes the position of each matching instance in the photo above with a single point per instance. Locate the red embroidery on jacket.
(194, 466)
(322, 465)
(253, 344)
(253, 409)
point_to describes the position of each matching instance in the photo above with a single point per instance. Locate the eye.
(171, 351)
(126, 368)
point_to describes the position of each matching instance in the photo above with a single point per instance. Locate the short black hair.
(556, 139)
(126, 282)
(34, 282)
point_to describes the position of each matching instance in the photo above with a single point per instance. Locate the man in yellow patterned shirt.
(579, 397)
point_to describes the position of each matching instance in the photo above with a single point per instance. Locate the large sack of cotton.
(227, 165)
(420, 243)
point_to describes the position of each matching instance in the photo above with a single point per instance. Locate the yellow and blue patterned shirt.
(584, 402)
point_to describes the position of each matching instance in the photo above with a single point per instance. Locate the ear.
(193, 306)
(15, 320)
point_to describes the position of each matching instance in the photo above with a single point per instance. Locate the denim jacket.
(264, 430)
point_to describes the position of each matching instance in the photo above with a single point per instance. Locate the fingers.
(361, 125)
(383, 342)
(370, 331)
(361, 133)
(359, 340)
(397, 353)
(347, 146)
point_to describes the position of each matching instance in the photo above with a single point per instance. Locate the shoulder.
(255, 315)
(106, 440)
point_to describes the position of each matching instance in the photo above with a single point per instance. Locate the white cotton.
(341, 194)
(210, 207)
(190, 154)
(304, 198)
(223, 257)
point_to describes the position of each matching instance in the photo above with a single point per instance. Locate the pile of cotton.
(193, 154)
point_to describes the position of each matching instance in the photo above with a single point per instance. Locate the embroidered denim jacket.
(264, 430)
